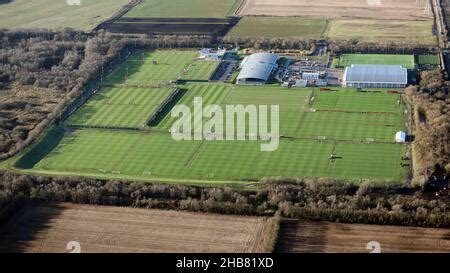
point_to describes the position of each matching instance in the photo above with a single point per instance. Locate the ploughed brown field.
(49, 227)
(369, 9)
(318, 237)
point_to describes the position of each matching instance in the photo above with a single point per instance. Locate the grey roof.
(268, 58)
(365, 73)
(258, 66)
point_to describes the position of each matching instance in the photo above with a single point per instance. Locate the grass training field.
(358, 128)
(407, 61)
(57, 14)
(184, 9)
(48, 227)
(279, 27)
(122, 107)
(161, 67)
(429, 60)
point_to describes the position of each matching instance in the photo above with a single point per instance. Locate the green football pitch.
(160, 67)
(358, 128)
(407, 61)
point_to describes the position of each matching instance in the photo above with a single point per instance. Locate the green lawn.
(276, 27)
(184, 9)
(57, 14)
(429, 60)
(156, 156)
(200, 71)
(123, 107)
(162, 66)
(407, 61)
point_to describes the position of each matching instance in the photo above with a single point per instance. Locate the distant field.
(407, 61)
(57, 14)
(276, 27)
(124, 107)
(184, 9)
(369, 30)
(398, 9)
(47, 228)
(323, 237)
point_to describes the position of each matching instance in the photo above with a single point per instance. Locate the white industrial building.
(257, 68)
(210, 54)
(375, 76)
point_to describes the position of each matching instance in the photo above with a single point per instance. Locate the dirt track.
(370, 9)
(307, 236)
(49, 227)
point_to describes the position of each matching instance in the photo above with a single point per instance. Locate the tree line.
(315, 199)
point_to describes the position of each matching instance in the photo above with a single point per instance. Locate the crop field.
(388, 21)
(57, 14)
(398, 9)
(160, 67)
(323, 237)
(47, 228)
(378, 31)
(184, 9)
(407, 61)
(276, 27)
(121, 107)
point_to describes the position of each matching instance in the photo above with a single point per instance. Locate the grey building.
(257, 68)
(375, 76)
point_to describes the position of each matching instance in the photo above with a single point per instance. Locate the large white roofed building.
(257, 68)
(375, 76)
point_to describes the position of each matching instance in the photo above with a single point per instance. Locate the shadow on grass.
(41, 149)
(23, 229)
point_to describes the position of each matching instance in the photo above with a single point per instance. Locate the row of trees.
(354, 46)
(431, 130)
(321, 199)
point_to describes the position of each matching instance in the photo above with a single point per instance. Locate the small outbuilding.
(210, 54)
(400, 137)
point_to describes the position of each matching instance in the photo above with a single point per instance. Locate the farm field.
(57, 14)
(399, 9)
(184, 9)
(370, 30)
(388, 21)
(120, 107)
(407, 61)
(47, 228)
(276, 27)
(323, 237)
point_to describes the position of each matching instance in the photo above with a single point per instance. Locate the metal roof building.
(375, 76)
(257, 68)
